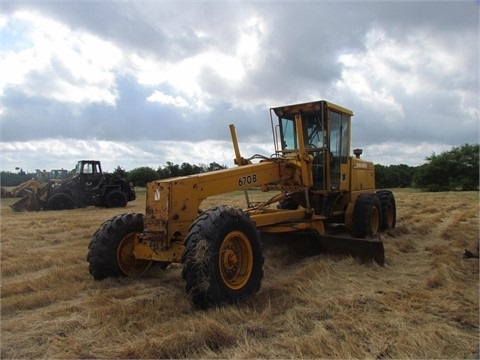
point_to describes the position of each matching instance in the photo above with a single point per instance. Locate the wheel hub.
(236, 260)
(128, 264)
(230, 259)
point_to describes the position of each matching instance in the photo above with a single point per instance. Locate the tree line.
(142, 175)
(456, 169)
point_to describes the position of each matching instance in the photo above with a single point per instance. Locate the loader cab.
(326, 134)
(88, 167)
(90, 173)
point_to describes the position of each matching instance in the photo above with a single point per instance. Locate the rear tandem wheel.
(366, 216)
(389, 209)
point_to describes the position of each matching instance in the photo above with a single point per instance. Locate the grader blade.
(28, 203)
(365, 250)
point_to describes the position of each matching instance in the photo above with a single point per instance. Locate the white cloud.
(250, 41)
(390, 74)
(61, 64)
(411, 80)
(160, 97)
(64, 153)
(77, 67)
(185, 76)
(182, 76)
(369, 75)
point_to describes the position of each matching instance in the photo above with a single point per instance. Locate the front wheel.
(110, 253)
(223, 260)
(60, 201)
(115, 198)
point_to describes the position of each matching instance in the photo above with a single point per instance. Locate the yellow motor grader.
(318, 188)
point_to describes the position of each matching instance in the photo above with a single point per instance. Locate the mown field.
(424, 303)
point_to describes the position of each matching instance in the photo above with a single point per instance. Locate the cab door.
(338, 149)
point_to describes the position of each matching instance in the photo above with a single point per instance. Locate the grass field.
(424, 303)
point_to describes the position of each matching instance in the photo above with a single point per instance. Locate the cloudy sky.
(140, 83)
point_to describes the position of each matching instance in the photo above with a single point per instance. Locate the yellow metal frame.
(173, 204)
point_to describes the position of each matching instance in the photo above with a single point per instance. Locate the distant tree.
(198, 169)
(214, 166)
(120, 172)
(163, 173)
(173, 169)
(142, 175)
(457, 169)
(393, 176)
(186, 169)
(8, 178)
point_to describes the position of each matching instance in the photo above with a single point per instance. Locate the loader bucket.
(28, 203)
(365, 250)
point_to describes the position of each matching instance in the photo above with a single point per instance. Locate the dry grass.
(423, 304)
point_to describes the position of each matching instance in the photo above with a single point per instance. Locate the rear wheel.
(115, 198)
(61, 201)
(110, 252)
(366, 216)
(389, 209)
(223, 260)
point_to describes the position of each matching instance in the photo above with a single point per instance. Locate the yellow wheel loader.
(318, 187)
(35, 184)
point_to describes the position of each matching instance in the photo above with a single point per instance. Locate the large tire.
(223, 261)
(60, 201)
(115, 198)
(389, 209)
(110, 253)
(366, 216)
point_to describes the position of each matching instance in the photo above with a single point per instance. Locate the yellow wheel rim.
(126, 260)
(235, 260)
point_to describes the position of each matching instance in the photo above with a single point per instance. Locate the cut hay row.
(423, 303)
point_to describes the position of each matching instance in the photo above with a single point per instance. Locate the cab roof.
(309, 106)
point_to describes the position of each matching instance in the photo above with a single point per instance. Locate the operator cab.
(88, 167)
(326, 133)
(90, 173)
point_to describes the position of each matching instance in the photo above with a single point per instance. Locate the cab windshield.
(326, 139)
(314, 131)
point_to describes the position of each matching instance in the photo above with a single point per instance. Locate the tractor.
(317, 187)
(89, 186)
